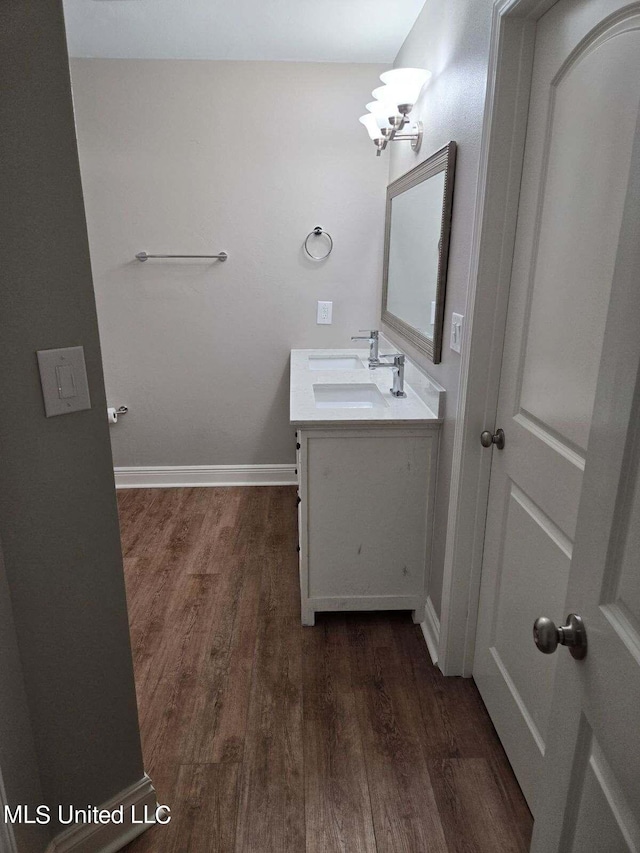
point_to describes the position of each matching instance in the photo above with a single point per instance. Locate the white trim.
(501, 157)
(107, 838)
(172, 476)
(431, 630)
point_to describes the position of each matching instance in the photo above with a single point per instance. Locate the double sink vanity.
(366, 440)
(366, 465)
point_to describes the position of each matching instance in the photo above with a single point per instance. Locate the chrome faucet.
(372, 337)
(398, 372)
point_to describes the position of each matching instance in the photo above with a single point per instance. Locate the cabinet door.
(367, 513)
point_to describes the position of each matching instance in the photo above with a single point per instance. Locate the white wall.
(199, 156)
(452, 40)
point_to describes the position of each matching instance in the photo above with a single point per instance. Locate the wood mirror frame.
(442, 161)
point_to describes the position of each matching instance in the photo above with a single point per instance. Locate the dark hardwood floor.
(267, 737)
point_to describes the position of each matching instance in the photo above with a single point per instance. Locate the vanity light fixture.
(369, 121)
(389, 113)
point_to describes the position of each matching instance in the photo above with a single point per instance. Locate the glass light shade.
(369, 121)
(387, 95)
(382, 111)
(406, 83)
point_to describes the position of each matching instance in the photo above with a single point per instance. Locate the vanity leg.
(308, 616)
(418, 616)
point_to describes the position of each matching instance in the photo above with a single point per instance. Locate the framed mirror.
(416, 251)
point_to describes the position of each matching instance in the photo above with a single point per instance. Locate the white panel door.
(583, 109)
(589, 799)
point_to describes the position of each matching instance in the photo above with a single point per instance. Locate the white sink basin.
(347, 396)
(334, 362)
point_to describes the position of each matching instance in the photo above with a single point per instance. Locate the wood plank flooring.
(267, 737)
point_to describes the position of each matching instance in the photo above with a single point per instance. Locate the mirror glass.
(413, 254)
(416, 249)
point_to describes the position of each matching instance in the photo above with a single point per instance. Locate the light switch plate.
(457, 321)
(63, 376)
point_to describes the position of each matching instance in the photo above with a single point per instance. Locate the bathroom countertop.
(414, 409)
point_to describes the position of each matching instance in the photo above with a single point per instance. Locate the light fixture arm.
(393, 134)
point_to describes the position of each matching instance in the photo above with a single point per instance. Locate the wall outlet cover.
(325, 313)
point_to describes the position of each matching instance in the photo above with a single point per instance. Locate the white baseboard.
(173, 476)
(109, 837)
(431, 630)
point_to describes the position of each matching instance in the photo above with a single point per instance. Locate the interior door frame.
(7, 838)
(19, 771)
(13, 709)
(512, 41)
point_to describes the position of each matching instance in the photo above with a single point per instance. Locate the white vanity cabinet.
(366, 483)
(365, 517)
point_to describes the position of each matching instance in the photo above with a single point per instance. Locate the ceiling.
(301, 30)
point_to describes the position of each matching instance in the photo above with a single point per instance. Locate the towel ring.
(317, 231)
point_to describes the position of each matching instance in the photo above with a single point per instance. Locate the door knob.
(487, 438)
(547, 637)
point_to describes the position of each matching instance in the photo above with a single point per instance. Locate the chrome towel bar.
(143, 256)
